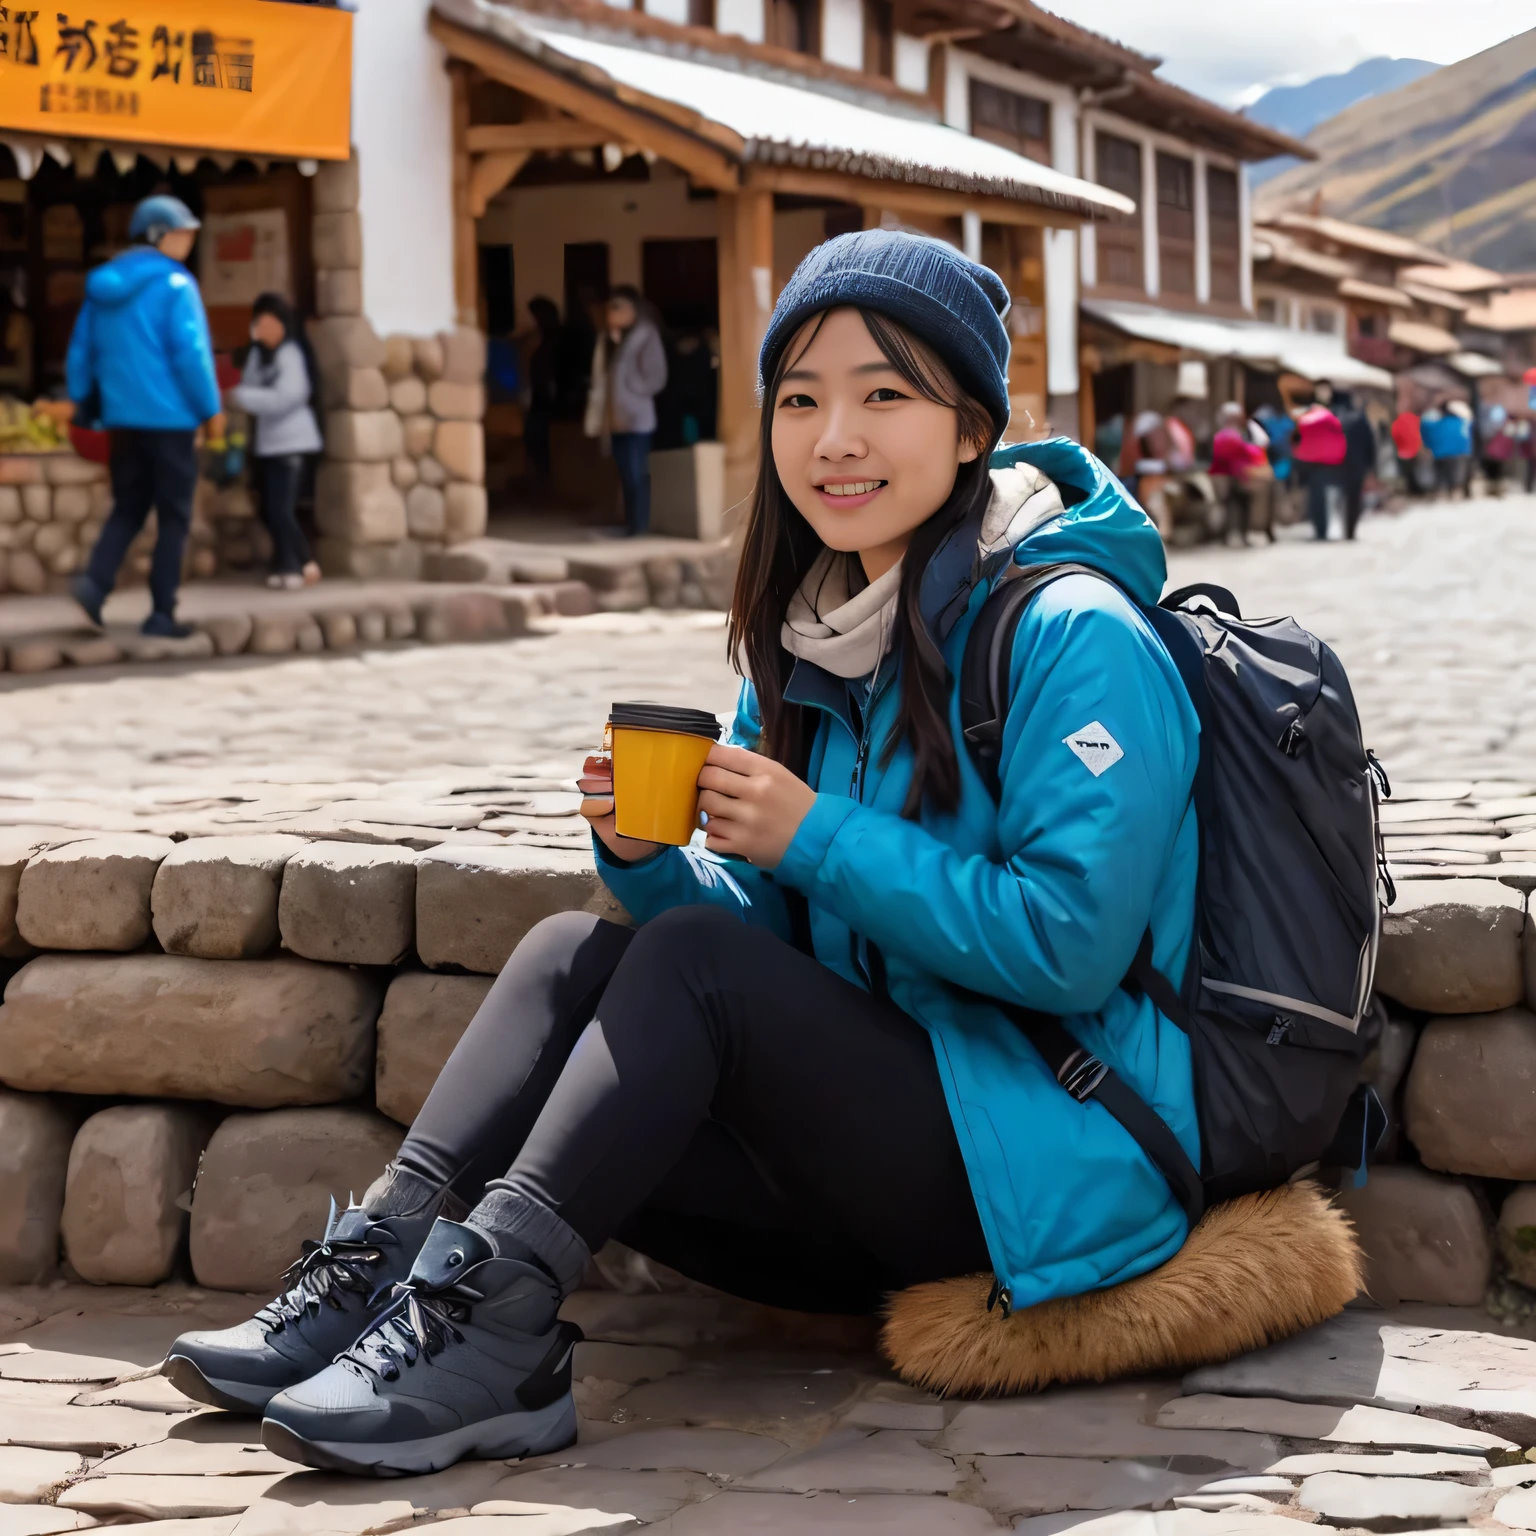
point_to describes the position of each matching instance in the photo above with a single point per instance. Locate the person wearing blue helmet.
(141, 366)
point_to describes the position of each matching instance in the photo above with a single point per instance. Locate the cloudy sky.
(1231, 52)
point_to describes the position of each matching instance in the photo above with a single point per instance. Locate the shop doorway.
(681, 281)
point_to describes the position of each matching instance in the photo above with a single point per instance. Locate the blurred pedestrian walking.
(1498, 447)
(141, 366)
(1448, 436)
(1359, 457)
(1321, 451)
(629, 369)
(1408, 441)
(1242, 466)
(278, 389)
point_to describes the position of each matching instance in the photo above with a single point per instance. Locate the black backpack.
(1293, 880)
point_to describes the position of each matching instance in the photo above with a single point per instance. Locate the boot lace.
(324, 1275)
(418, 1324)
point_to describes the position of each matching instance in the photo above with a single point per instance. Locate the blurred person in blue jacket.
(1447, 433)
(797, 1078)
(141, 366)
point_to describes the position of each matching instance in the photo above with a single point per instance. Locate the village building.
(501, 153)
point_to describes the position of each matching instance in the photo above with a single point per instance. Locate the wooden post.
(466, 254)
(745, 244)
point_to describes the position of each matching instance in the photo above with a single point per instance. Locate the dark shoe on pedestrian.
(90, 597)
(470, 1360)
(328, 1298)
(166, 626)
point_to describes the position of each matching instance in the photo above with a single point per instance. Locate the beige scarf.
(847, 632)
(844, 632)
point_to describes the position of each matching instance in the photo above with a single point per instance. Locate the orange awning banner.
(251, 76)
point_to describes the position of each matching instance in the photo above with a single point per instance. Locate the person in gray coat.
(276, 389)
(632, 372)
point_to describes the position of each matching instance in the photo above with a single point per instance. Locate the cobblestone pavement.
(700, 1416)
(1433, 612)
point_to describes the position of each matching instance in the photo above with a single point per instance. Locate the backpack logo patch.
(1094, 748)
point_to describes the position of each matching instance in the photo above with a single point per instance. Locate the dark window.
(1223, 204)
(499, 289)
(586, 278)
(880, 38)
(796, 25)
(1019, 123)
(1176, 223)
(682, 279)
(1119, 169)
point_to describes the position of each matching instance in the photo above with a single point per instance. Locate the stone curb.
(350, 623)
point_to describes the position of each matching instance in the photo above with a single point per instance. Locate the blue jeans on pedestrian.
(632, 459)
(151, 471)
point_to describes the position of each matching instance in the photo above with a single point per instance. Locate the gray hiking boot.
(327, 1300)
(471, 1359)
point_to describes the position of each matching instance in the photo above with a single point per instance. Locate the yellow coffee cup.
(658, 750)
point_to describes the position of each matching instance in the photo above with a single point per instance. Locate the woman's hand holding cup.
(596, 786)
(752, 805)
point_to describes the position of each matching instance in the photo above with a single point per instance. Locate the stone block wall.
(404, 469)
(52, 506)
(1456, 1067)
(203, 1041)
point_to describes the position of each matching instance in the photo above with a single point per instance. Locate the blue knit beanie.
(953, 304)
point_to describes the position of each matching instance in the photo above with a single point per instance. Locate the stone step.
(622, 574)
(329, 617)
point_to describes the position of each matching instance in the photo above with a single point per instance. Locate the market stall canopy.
(758, 119)
(1474, 365)
(1420, 336)
(255, 78)
(1312, 356)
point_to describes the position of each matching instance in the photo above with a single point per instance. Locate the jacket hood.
(1054, 503)
(123, 278)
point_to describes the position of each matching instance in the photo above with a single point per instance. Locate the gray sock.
(519, 1224)
(399, 1192)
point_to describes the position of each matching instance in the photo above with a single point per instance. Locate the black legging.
(714, 1098)
(280, 478)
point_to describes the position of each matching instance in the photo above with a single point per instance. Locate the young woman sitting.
(792, 1079)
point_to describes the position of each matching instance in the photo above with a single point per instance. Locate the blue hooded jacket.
(1446, 435)
(141, 340)
(1040, 899)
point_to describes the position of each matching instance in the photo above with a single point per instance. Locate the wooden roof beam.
(904, 197)
(707, 164)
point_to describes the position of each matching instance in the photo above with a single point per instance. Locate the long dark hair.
(780, 547)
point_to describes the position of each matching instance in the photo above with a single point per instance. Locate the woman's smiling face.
(863, 456)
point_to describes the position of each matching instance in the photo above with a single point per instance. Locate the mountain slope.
(1298, 109)
(1449, 160)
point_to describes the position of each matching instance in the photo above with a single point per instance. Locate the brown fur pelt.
(1253, 1271)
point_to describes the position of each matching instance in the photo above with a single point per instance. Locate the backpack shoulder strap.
(985, 668)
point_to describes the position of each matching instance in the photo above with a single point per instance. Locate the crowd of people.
(1274, 466)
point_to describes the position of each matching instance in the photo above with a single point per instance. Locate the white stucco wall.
(842, 33)
(911, 63)
(667, 10)
(741, 18)
(402, 125)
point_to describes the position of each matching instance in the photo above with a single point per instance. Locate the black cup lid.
(666, 717)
